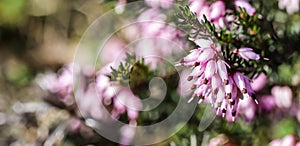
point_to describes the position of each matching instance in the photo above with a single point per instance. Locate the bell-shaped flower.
(283, 96)
(247, 54)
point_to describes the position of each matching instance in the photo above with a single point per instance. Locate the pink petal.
(210, 69)
(222, 70)
(217, 10)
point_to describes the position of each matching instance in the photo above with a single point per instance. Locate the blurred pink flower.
(259, 82)
(247, 108)
(121, 98)
(89, 104)
(215, 12)
(151, 22)
(113, 50)
(245, 5)
(288, 140)
(166, 4)
(291, 6)
(218, 140)
(159, 40)
(283, 96)
(120, 7)
(267, 102)
(127, 133)
(60, 84)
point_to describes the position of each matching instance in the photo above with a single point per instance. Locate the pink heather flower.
(247, 108)
(125, 100)
(213, 84)
(288, 140)
(184, 86)
(283, 96)
(221, 139)
(166, 4)
(127, 133)
(157, 39)
(121, 98)
(151, 23)
(60, 84)
(120, 7)
(200, 7)
(247, 54)
(259, 82)
(267, 102)
(217, 10)
(113, 49)
(245, 5)
(89, 103)
(214, 12)
(291, 6)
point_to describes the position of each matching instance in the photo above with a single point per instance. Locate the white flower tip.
(178, 64)
(223, 115)
(255, 101)
(133, 123)
(191, 99)
(233, 119)
(200, 101)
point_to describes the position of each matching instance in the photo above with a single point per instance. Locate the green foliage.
(12, 12)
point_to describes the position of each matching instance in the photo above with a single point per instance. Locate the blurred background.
(36, 36)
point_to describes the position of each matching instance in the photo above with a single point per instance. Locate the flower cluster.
(94, 96)
(215, 12)
(215, 81)
(158, 39)
(122, 99)
(60, 84)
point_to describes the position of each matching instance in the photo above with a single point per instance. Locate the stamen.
(190, 78)
(223, 112)
(228, 95)
(193, 87)
(226, 82)
(255, 101)
(191, 99)
(181, 60)
(205, 81)
(196, 64)
(219, 104)
(233, 119)
(201, 99)
(244, 91)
